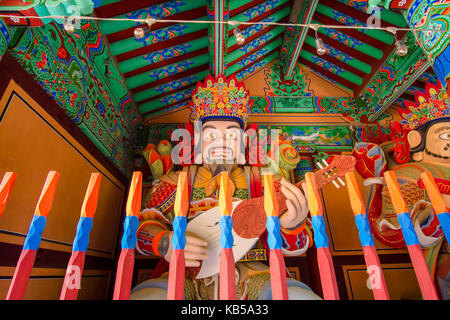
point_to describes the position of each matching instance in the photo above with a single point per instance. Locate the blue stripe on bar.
(365, 235)
(273, 232)
(130, 226)
(226, 236)
(444, 220)
(407, 229)
(320, 232)
(33, 238)
(179, 232)
(81, 241)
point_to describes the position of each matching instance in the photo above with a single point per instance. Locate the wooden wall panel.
(400, 280)
(32, 146)
(46, 284)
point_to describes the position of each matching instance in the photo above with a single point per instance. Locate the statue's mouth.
(217, 153)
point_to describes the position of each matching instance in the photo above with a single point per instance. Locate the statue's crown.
(432, 104)
(220, 98)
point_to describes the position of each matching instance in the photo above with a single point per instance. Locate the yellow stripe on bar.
(435, 196)
(394, 190)
(356, 200)
(48, 193)
(135, 195)
(90, 199)
(181, 205)
(225, 204)
(270, 200)
(312, 194)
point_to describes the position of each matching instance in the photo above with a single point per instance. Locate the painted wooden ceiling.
(161, 69)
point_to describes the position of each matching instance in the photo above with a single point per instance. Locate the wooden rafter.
(163, 63)
(167, 94)
(121, 7)
(148, 113)
(171, 78)
(162, 44)
(251, 52)
(327, 73)
(334, 61)
(129, 33)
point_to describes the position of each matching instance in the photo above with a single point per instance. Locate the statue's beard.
(220, 155)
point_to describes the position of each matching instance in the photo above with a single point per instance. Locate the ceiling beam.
(344, 48)
(163, 63)
(171, 78)
(334, 61)
(328, 74)
(121, 7)
(302, 12)
(218, 10)
(162, 44)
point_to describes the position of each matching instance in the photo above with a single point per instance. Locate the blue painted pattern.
(253, 57)
(33, 238)
(226, 236)
(273, 232)
(407, 229)
(167, 53)
(365, 235)
(84, 228)
(157, 11)
(130, 227)
(320, 232)
(177, 84)
(260, 9)
(175, 97)
(171, 70)
(256, 43)
(179, 232)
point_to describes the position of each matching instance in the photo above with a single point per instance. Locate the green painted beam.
(236, 54)
(217, 34)
(294, 39)
(161, 55)
(364, 67)
(160, 73)
(254, 56)
(165, 101)
(382, 36)
(173, 85)
(363, 47)
(332, 68)
(234, 4)
(106, 2)
(255, 67)
(257, 10)
(251, 30)
(177, 30)
(157, 11)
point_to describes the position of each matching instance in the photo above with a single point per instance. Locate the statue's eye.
(231, 135)
(211, 135)
(445, 136)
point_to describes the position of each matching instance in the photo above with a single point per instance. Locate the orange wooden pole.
(26, 260)
(227, 271)
(175, 290)
(5, 189)
(412, 242)
(379, 288)
(438, 203)
(276, 260)
(125, 265)
(325, 261)
(76, 263)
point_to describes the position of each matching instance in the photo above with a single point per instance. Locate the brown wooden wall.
(37, 137)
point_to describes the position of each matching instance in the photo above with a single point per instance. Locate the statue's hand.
(194, 251)
(297, 206)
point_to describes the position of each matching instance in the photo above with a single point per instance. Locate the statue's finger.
(195, 241)
(195, 248)
(192, 263)
(194, 256)
(291, 196)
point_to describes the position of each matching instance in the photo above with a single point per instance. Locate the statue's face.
(438, 141)
(221, 142)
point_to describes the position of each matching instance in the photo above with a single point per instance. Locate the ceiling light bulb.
(141, 32)
(320, 47)
(401, 49)
(68, 26)
(240, 39)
